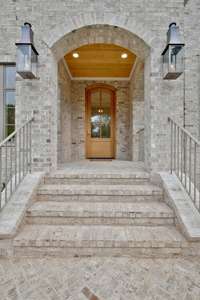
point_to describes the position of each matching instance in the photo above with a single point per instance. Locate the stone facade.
(137, 111)
(64, 115)
(139, 26)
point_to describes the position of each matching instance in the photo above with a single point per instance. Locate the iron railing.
(185, 160)
(15, 160)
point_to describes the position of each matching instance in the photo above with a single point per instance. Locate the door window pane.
(106, 114)
(101, 114)
(95, 115)
(95, 130)
(105, 126)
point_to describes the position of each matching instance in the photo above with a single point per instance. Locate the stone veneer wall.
(137, 111)
(60, 26)
(64, 115)
(192, 67)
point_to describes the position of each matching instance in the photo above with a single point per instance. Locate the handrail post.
(0, 176)
(171, 143)
(30, 147)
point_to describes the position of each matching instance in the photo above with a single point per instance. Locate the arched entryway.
(130, 135)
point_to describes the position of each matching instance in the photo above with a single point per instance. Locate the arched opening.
(93, 56)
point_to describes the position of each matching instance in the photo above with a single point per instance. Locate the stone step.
(76, 240)
(97, 178)
(89, 213)
(95, 193)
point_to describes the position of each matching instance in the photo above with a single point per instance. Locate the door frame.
(87, 95)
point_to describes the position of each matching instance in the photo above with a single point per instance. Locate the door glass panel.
(95, 115)
(100, 114)
(106, 114)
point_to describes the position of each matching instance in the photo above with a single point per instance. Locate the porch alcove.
(130, 130)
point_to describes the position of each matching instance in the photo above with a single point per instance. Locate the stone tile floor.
(100, 279)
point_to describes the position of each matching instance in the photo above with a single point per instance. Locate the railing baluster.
(30, 137)
(199, 172)
(195, 161)
(184, 160)
(175, 147)
(19, 155)
(190, 162)
(181, 155)
(23, 151)
(26, 148)
(14, 160)
(171, 146)
(11, 166)
(1, 184)
(178, 147)
(6, 172)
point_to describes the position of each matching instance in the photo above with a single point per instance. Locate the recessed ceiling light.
(124, 55)
(75, 55)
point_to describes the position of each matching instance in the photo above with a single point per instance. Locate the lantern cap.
(173, 34)
(173, 37)
(26, 37)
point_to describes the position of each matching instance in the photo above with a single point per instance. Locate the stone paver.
(103, 278)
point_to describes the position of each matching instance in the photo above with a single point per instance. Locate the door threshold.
(100, 159)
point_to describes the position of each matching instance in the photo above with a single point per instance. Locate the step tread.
(118, 236)
(94, 175)
(110, 209)
(100, 189)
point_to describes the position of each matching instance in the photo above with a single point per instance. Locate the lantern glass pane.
(179, 59)
(173, 62)
(166, 63)
(23, 58)
(34, 59)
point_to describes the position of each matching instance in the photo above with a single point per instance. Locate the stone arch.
(123, 21)
(106, 34)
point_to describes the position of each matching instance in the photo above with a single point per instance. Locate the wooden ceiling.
(100, 60)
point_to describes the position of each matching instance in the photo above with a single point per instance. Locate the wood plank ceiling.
(100, 60)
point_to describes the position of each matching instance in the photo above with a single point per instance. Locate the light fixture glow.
(124, 55)
(75, 55)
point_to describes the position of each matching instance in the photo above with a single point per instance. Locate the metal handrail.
(185, 160)
(15, 160)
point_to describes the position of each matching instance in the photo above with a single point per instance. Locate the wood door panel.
(100, 149)
(100, 122)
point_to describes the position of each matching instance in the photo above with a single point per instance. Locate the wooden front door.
(100, 122)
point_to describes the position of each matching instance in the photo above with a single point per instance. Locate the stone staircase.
(85, 214)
